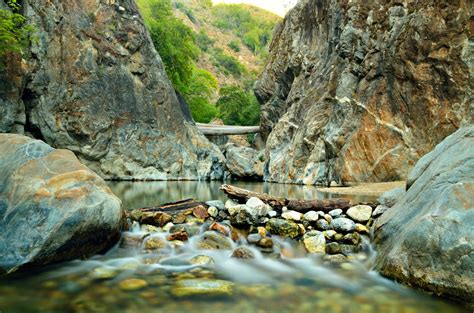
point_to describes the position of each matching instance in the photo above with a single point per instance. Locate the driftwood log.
(242, 195)
(175, 207)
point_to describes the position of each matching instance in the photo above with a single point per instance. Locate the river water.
(128, 280)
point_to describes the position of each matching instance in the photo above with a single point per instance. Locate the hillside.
(212, 54)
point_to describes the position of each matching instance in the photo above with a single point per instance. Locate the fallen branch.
(175, 207)
(242, 195)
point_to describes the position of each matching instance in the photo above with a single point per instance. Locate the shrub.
(234, 45)
(15, 35)
(238, 107)
(229, 63)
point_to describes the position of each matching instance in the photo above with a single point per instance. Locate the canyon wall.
(94, 84)
(360, 90)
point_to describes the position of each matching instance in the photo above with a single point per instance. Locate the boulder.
(244, 162)
(358, 91)
(96, 85)
(360, 213)
(427, 238)
(52, 208)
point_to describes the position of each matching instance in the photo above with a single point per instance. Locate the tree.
(202, 87)
(238, 107)
(14, 33)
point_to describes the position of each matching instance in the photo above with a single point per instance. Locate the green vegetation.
(181, 49)
(14, 33)
(238, 107)
(254, 26)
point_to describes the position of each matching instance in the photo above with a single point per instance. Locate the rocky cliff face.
(359, 90)
(95, 85)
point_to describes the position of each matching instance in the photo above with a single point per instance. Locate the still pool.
(186, 278)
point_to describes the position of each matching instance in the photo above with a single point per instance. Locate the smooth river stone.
(344, 225)
(360, 213)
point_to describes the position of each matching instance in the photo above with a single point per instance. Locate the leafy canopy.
(238, 107)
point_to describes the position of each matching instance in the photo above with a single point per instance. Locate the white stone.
(292, 215)
(254, 203)
(272, 213)
(360, 213)
(229, 203)
(212, 211)
(311, 216)
(258, 207)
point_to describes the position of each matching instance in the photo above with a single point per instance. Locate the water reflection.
(141, 194)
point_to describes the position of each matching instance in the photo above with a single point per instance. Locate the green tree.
(14, 33)
(174, 41)
(238, 107)
(201, 89)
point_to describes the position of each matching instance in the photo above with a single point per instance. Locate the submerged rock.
(52, 208)
(243, 253)
(202, 287)
(132, 284)
(427, 238)
(314, 242)
(211, 240)
(202, 260)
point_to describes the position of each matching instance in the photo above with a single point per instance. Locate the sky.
(279, 7)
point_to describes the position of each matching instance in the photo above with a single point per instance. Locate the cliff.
(360, 90)
(95, 85)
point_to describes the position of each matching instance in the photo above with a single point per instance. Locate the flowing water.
(127, 279)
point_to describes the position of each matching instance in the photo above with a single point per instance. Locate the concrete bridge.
(221, 130)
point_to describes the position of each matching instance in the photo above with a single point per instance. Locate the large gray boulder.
(427, 238)
(95, 85)
(52, 208)
(244, 162)
(357, 91)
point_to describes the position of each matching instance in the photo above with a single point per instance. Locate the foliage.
(199, 92)
(14, 33)
(238, 107)
(252, 25)
(234, 45)
(229, 63)
(204, 41)
(173, 40)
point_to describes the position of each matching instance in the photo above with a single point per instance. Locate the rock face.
(360, 90)
(96, 86)
(52, 208)
(427, 238)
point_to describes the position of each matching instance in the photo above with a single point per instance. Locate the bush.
(198, 94)
(238, 107)
(234, 45)
(229, 63)
(204, 41)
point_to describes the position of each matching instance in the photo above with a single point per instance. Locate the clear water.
(295, 282)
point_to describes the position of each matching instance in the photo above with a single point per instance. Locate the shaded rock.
(244, 162)
(426, 239)
(329, 234)
(335, 213)
(154, 243)
(335, 258)
(283, 227)
(311, 216)
(389, 198)
(181, 236)
(322, 225)
(353, 238)
(202, 287)
(360, 213)
(343, 225)
(211, 240)
(243, 253)
(333, 248)
(342, 77)
(379, 210)
(265, 242)
(314, 242)
(216, 203)
(52, 208)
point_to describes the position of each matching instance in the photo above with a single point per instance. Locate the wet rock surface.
(358, 91)
(52, 208)
(426, 239)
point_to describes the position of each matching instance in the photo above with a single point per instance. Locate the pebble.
(342, 224)
(230, 204)
(283, 227)
(333, 248)
(217, 204)
(322, 224)
(154, 243)
(181, 236)
(292, 215)
(223, 229)
(335, 213)
(328, 218)
(360, 213)
(361, 229)
(254, 238)
(132, 284)
(104, 272)
(265, 243)
(352, 238)
(211, 240)
(314, 242)
(311, 216)
(272, 214)
(329, 234)
(212, 211)
(200, 212)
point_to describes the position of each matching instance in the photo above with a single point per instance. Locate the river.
(128, 280)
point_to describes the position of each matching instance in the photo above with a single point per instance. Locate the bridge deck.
(216, 130)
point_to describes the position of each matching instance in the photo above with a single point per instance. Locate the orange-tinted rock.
(200, 212)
